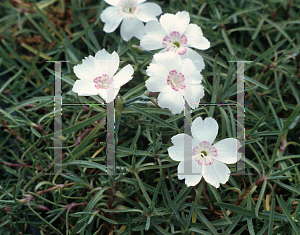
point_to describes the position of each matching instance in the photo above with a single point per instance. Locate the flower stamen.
(175, 42)
(176, 80)
(102, 82)
(204, 153)
(129, 9)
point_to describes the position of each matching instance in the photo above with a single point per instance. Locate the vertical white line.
(187, 129)
(110, 139)
(57, 120)
(240, 115)
(110, 134)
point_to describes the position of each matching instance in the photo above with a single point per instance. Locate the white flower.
(133, 13)
(97, 76)
(174, 79)
(174, 33)
(208, 159)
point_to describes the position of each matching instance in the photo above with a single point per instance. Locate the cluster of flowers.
(174, 72)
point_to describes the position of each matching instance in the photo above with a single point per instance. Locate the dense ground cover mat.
(141, 56)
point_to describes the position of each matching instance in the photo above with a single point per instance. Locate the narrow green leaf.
(287, 187)
(137, 135)
(128, 224)
(167, 195)
(227, 42)
(27, 15)
(255, 82)
(16, 76)
(249, 220)
(205, 220)
(258, 28)
(287, 213)
(148, 223)
(47, 21)
(291, 118)
(122, 209)
(35, 132)
(286, 158)
(261, 195)
(159, 228)
(31, 101)
(86, 164)
(15, 54)
(90, 46)
(78, 126)
(242, 211)
(106, 219)
(143, 188)
(157, 188)
(231, 227)
(280, 29)
(218, 198)
(199, 231)
(284, 170)
(134, 90)
(271, 221)
(264, 55)
(214, 9)
(159, 120)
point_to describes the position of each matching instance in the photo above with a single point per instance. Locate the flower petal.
(108, 95)
(113, 2)
(178, 22)
(169, 60)
(154, 36)
(89, 69)
(111, 18)
(137, 2)
(190, 71)
(216, 173)
(109, 61)
(195, 37)
(156, 84)
(171, 100)
(205, 130)
(132, 28)
(148, 11)
(193, 94)
(227, 150)
(176, 152)
(192, 177)
(195, 57)
(156, 70)
(122, 77)
(84, 88)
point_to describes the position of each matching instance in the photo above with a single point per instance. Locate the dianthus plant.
(174, 73)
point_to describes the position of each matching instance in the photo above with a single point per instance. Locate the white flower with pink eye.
(133, 13)
(208, 160)
(175, 33)
(176, 80)
(97, 76)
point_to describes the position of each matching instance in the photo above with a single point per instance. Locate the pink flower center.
(205, 153)
(102, 82)
(175, 42)
(176, 80)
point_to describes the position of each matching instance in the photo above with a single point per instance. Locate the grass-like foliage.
(146, 196)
